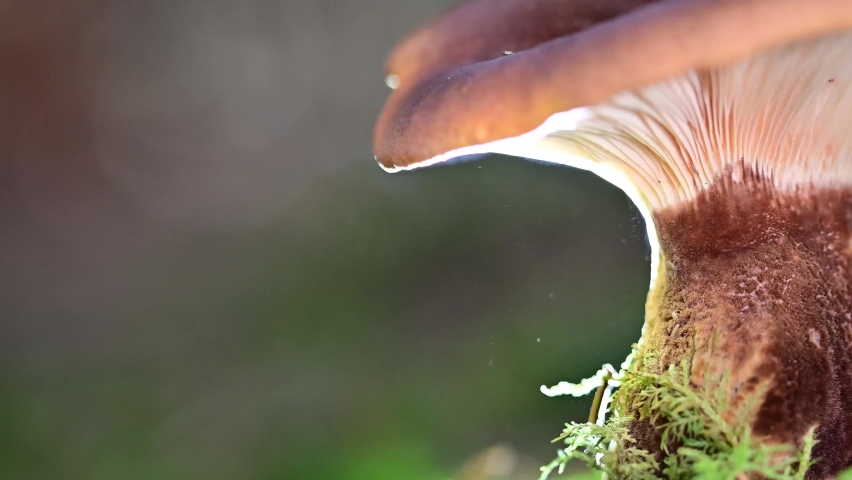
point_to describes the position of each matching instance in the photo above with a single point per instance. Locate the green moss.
(846, 475)
(697, 443)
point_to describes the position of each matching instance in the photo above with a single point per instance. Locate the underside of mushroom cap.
(658, 101)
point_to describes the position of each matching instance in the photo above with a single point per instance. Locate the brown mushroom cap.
(448, 102)
(480, 30)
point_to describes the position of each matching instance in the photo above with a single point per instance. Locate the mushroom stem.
(754, 290)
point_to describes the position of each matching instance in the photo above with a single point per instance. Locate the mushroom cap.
(476, 31)
(457, 89)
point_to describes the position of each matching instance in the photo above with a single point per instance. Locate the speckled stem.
(756, 284)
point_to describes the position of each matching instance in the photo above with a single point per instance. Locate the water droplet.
(392, 81)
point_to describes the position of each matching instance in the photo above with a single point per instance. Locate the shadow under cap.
(478, 103)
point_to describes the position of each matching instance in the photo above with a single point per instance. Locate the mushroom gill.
(729, 124)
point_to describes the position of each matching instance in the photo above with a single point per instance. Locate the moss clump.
(697, 443)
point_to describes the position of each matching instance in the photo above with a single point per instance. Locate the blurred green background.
(205, 275)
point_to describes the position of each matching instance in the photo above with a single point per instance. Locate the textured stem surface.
(755, 288)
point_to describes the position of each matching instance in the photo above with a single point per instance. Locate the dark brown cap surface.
(480, 30)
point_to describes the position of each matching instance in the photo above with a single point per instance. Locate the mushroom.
(728, 123)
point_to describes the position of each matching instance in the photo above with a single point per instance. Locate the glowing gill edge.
(540, 146)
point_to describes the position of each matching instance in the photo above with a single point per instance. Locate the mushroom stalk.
(755, 288)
